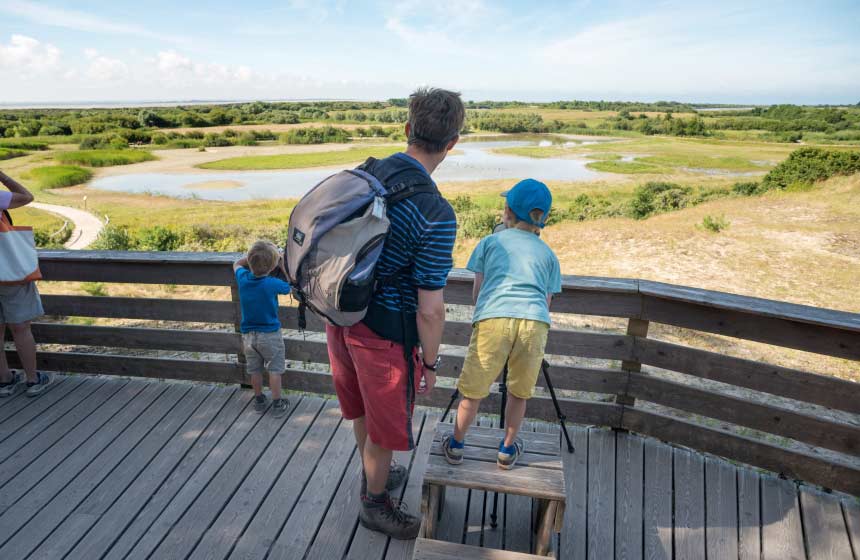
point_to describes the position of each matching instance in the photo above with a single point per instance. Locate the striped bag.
(19, 262)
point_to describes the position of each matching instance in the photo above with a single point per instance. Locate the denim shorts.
(20, 303)
(264, 351)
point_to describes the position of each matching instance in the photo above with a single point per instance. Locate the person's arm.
(431, 322)
(20, 195)
(241, 263)
(476, 287)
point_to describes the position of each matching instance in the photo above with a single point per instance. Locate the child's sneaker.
(34, 389)
(452, 449)
(261, 403)
(389, 517)
(8, 389)
(280, 407)
(508, 456)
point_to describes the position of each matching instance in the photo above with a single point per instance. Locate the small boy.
(261, 329)
(516, 274)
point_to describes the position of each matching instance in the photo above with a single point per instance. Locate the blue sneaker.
(453, 451)
(43, 380)
(9, 388)
(508, 456)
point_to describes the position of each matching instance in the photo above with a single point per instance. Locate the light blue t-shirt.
(519, 270)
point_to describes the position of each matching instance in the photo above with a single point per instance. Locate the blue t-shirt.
(520, 271)
(258, 298)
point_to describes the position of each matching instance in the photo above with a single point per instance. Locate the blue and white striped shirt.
(419, 245)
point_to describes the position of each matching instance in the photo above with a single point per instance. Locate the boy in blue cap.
(516, 274)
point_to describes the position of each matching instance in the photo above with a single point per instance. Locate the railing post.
(237, 326)
(637, 328)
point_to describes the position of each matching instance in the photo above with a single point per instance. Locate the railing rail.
(642, 303)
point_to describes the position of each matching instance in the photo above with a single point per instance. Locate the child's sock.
(457, 444)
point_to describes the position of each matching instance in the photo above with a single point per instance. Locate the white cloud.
(80, 21)
(181, 70)
(105, 69)
(28, 55)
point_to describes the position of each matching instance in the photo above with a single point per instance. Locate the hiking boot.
(280, 407)
(508, 456)
(9, 388)
(261, 403)
(453, 453)
(34, 389)
(389, 517)
(396, 476)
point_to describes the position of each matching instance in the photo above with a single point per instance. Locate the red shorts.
(370, 378)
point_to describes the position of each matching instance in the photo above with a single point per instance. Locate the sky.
(163, 50)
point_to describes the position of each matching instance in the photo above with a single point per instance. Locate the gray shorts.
(19, 304)
(264, 352)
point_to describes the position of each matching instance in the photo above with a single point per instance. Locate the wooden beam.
(201, 311)
(132, 337)
(804, 386)
(792, 463)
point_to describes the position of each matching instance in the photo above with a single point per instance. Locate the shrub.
(809, 165)
(94, 288)
(247, 139)
(322, 135)
(462, 204)
(655, 197)
(746, 189)
(58, 176)
(715, 224)
(104, 158)
(23, 145)
(216, 140)
(478, 223)
(113, 238)
(158, 238)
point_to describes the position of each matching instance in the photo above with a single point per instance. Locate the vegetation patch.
(104, 158)
(299, 161)
(809, 165)
(324, 135)
(7, 153)
(59, 176)
(23, 144)
(631, 167)
(714, 224)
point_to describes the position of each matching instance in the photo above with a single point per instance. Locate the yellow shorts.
(520, 342)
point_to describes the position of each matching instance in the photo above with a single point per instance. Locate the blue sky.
(734, 52)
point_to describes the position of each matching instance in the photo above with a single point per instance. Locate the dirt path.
(87, 226)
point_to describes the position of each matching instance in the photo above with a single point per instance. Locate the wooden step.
(429, 549)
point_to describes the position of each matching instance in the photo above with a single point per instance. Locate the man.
(374, 382)
(19, 304)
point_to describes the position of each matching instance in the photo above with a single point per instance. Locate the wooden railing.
(629, 386)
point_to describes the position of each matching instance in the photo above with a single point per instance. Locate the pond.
(473, 161)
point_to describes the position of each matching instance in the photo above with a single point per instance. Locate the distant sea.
(135, 104)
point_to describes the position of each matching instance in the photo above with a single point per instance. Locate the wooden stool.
(538, 474)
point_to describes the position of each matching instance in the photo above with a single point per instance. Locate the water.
(474, 162)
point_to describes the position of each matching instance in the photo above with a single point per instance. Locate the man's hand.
(428, 380)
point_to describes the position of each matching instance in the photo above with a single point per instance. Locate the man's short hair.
(263, 256)
(436, 117)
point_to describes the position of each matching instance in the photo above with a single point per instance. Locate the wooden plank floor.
(110, 468)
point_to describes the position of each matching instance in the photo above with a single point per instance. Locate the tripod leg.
(454, 396)
(503, 390)
(561, 417)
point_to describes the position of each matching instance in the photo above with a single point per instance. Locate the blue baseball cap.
(528, 195)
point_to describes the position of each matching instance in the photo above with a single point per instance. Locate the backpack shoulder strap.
(405, 192)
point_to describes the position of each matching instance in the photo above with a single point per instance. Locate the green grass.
(104, 158)
(7, 153)
(59, 176)
(629, 167)
(691, 161)
(298, 161)
(535, 151)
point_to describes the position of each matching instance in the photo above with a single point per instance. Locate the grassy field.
(104, 158)
(59, 176)
(298, 161)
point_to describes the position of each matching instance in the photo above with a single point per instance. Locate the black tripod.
(503, 390)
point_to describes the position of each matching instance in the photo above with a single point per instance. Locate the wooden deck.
(114, 468)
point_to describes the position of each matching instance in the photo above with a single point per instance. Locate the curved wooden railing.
(821, 331)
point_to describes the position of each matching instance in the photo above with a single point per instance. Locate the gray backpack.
(336, 236)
